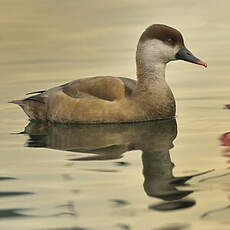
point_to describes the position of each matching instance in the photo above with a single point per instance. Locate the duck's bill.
(186, 55)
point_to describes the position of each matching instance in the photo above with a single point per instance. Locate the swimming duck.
(107, 99)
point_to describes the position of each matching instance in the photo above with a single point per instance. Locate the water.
(154, 175)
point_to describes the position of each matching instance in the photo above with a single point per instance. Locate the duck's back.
(87, 100)
(105, 87)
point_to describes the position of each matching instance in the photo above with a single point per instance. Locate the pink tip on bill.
(202, 63)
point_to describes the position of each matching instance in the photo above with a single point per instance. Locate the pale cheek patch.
(175, 50)
(155, 51)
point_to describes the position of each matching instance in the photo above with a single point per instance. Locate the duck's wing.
(130, 84)
(106, 88)
(35, 92)
(101, 88)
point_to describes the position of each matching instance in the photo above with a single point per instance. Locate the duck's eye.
(169, 40)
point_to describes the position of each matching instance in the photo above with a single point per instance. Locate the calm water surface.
(153, 176)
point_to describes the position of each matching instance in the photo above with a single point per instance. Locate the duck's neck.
(150, 74)
(150, 69)
(152, 92)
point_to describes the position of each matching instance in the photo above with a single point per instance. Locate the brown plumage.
(106, 99)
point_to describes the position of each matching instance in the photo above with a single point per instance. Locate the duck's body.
(100, 100)
(106, 99)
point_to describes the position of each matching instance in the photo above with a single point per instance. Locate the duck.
(109, 99)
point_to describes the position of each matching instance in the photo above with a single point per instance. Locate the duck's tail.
(35, 110)
(17, 102)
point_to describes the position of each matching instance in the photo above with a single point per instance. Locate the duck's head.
(162, 44)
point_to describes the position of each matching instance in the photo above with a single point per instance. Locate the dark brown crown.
(164, 33)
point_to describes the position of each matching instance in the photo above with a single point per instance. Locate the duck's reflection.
(106, 142)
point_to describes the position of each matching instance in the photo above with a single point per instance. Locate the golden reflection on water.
(46, 43)
(109, 142)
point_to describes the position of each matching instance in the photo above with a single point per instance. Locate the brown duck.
(107, 99)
